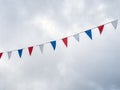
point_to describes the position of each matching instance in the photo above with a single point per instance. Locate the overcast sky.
(85, 65)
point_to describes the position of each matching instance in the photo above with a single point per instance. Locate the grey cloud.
(87, 65)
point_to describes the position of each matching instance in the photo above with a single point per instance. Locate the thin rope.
(59, 38)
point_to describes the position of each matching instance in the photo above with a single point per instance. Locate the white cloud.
(85, 65)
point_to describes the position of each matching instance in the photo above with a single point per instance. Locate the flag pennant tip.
(65, 41)
(76, 36)
(41, 47)
(1, 55)
(30, 49)
(9, 54)
(89, 33)
(114, 23)
(53, 43)
(20, 52)
(100, 28)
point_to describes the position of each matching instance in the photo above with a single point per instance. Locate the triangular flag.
(20, 52)
(53, 43)
(89, 33)
(41, 47)
(1, 55)
(76, 36)
(100, 28)
(30, 49)
(65, 40)
(114, 23)
(9, 54)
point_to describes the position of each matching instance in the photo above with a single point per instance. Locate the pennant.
(65, 41)
(76, 36)
(41, 47)
(30, 49)
(53, 43)
(1, 55)
(9, 54)
(89, 33)
(20, 52)
(114, 23)
(100, 28)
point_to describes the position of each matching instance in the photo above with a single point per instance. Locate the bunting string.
(88, 32)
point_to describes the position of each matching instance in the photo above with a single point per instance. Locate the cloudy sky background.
(84, 65)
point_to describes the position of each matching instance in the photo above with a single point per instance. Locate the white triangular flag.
(9, 54)
(114, 23)
(41, 47)
(76, 36)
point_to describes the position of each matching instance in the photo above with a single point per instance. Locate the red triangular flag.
(101, 27)
(30, 49)
(65, 40)
(1, 55)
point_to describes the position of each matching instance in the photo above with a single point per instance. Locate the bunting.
(1, 54)
(114, 23)
(89, 33)
(53, 43)
(30, 49)
(41, 47)
(9, 54)
(76, 36)
(20, 52)
(64, 40)
(100, 28)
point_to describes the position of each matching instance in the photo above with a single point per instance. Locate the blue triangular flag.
(89, 33)
(20, 52)
(53, 43)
